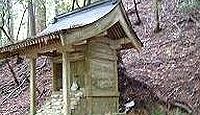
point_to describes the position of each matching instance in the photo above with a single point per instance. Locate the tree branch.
(73, 4)
(21, 23)
(13, 73)
(137, 14)
(4, 31)
(3, 14)
(7, 97)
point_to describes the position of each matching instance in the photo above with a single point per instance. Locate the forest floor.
(169, 62)
(14, 99)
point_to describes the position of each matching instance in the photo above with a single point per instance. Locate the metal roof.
(82, 24)
(80, 17)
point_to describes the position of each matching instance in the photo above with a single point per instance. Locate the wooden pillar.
(66, 83)
(32, 86)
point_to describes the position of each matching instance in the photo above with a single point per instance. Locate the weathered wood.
(123, 19)
(101, 79)
(117, 44)
(32, 50)
(66, 83)
(78, 71)
(73, 56)
(102, 105)
(91, 30)
(32, 86)
(55, 77)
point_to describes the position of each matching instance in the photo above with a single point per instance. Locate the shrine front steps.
(54, 105)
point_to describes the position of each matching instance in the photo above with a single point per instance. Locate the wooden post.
(66, 83)
(32, 86)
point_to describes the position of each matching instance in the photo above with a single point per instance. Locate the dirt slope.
(18, 102)
(169, 62)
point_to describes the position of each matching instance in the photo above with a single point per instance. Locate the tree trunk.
(4, 19)
(6, 34)
(73, 4)
(56, 7)
(0, 39)
(31, 18)
(10, 20)
(13, 73)
(20, 25)
(41, 16)
(158, 8)
(137, 14)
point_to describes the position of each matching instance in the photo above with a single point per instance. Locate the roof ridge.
(83, 9)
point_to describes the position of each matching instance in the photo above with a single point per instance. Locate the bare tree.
(137, 14)
(10, 19)
(157, 8)
(12, 72)
(31, 19)
(21, 22)
(40, 15)
(73, 4)
(3, 16)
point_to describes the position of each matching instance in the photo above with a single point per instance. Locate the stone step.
(54, 104)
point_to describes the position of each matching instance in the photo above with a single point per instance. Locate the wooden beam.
(126, 25)
(53, 53)
(32, 86)
(66, 83)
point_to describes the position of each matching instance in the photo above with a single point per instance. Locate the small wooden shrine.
(82, 45)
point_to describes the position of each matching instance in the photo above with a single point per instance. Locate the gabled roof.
(79, 25)
(81, 17)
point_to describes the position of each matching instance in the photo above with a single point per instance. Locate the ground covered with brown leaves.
(14, 99)
(169, 62)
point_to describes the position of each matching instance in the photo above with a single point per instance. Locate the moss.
(157, 111)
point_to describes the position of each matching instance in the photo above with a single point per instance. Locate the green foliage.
(63, 6)
(157, 111)
(179, 112)
(189, 5)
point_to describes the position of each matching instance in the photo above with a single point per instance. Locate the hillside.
(14, 99)
(169, 60)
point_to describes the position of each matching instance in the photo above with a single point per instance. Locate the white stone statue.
(74, 86)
